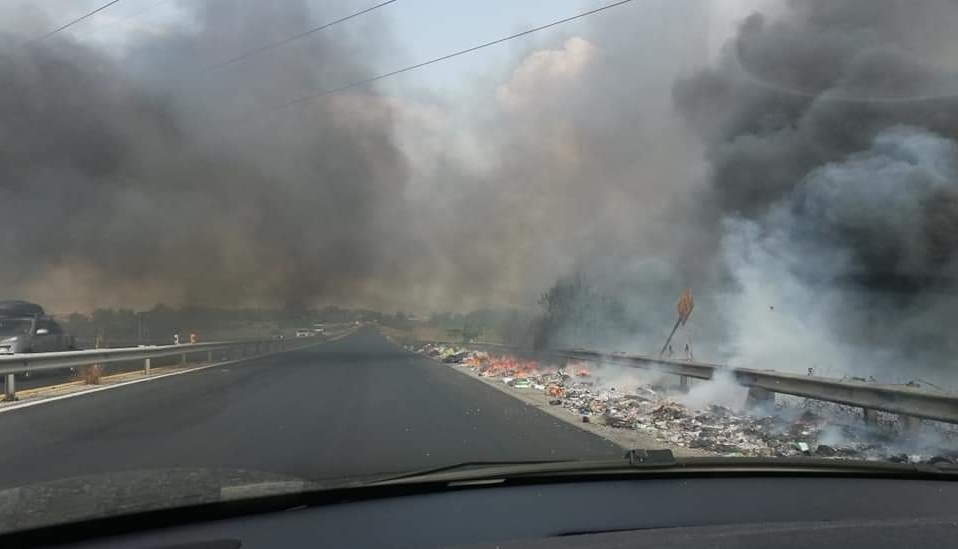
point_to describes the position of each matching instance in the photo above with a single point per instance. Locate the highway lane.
(357, 406)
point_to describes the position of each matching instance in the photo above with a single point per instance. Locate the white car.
(303, 333)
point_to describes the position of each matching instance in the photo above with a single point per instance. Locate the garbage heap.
(796, 427)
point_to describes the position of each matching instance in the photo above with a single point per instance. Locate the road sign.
(685, 306)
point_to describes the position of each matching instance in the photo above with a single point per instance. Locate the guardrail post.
(759, 398)
(684, 383)
(183, 358)
(909, 425)
(870, 416)
(10, 389)
(209, 356)
(146, 366)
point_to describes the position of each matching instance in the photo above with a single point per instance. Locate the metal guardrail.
(906, 401)
(39, 362)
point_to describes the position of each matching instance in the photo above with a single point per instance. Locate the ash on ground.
(793, 427)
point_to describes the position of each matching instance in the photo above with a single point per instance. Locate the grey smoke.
(588, 173)
(803, 185)
(357, 198)
(125, 178)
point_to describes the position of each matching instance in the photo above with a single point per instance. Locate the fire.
(477, 359)
(505, 366)
(578, 369)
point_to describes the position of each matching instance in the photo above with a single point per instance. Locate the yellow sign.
(685, 306)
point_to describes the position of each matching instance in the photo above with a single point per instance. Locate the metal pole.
(209, 356)
(909, 425)
(146, 366)
(183, 358)
(10, 389)
(669, 340)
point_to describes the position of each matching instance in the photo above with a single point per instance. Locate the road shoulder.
(627, 439)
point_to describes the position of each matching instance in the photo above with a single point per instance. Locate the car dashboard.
(785, 511)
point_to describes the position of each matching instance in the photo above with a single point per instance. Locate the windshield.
(402, 235)
(12, 327)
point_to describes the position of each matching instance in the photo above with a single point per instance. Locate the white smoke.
(798, 303)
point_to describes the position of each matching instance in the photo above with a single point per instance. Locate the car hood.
(94, 496)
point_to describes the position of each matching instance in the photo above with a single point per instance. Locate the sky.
(424, 29)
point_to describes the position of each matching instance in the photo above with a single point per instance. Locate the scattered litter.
(808, 427)
(522, 383)
(825, 450)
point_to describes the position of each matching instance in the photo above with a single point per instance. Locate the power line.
(68, 25)
(134, 15)
(289, 39)
(372, 79)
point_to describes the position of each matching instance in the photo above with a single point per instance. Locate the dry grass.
(91, 375)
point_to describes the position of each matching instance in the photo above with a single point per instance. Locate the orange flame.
(578, 369)
(509, 366)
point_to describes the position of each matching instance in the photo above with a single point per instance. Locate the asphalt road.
(353, 407)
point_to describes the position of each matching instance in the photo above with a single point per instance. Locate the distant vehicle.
(303, 332)
(21, 309)
(319, 329)
(33, 335)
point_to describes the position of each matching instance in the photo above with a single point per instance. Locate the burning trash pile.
(794, 428)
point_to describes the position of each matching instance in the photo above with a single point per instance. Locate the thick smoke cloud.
(831, 137)
(802, 182)
(576, 165)
(140, 177)
(153, 192)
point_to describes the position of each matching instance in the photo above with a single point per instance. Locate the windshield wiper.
(474, 465)
(631, 458)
